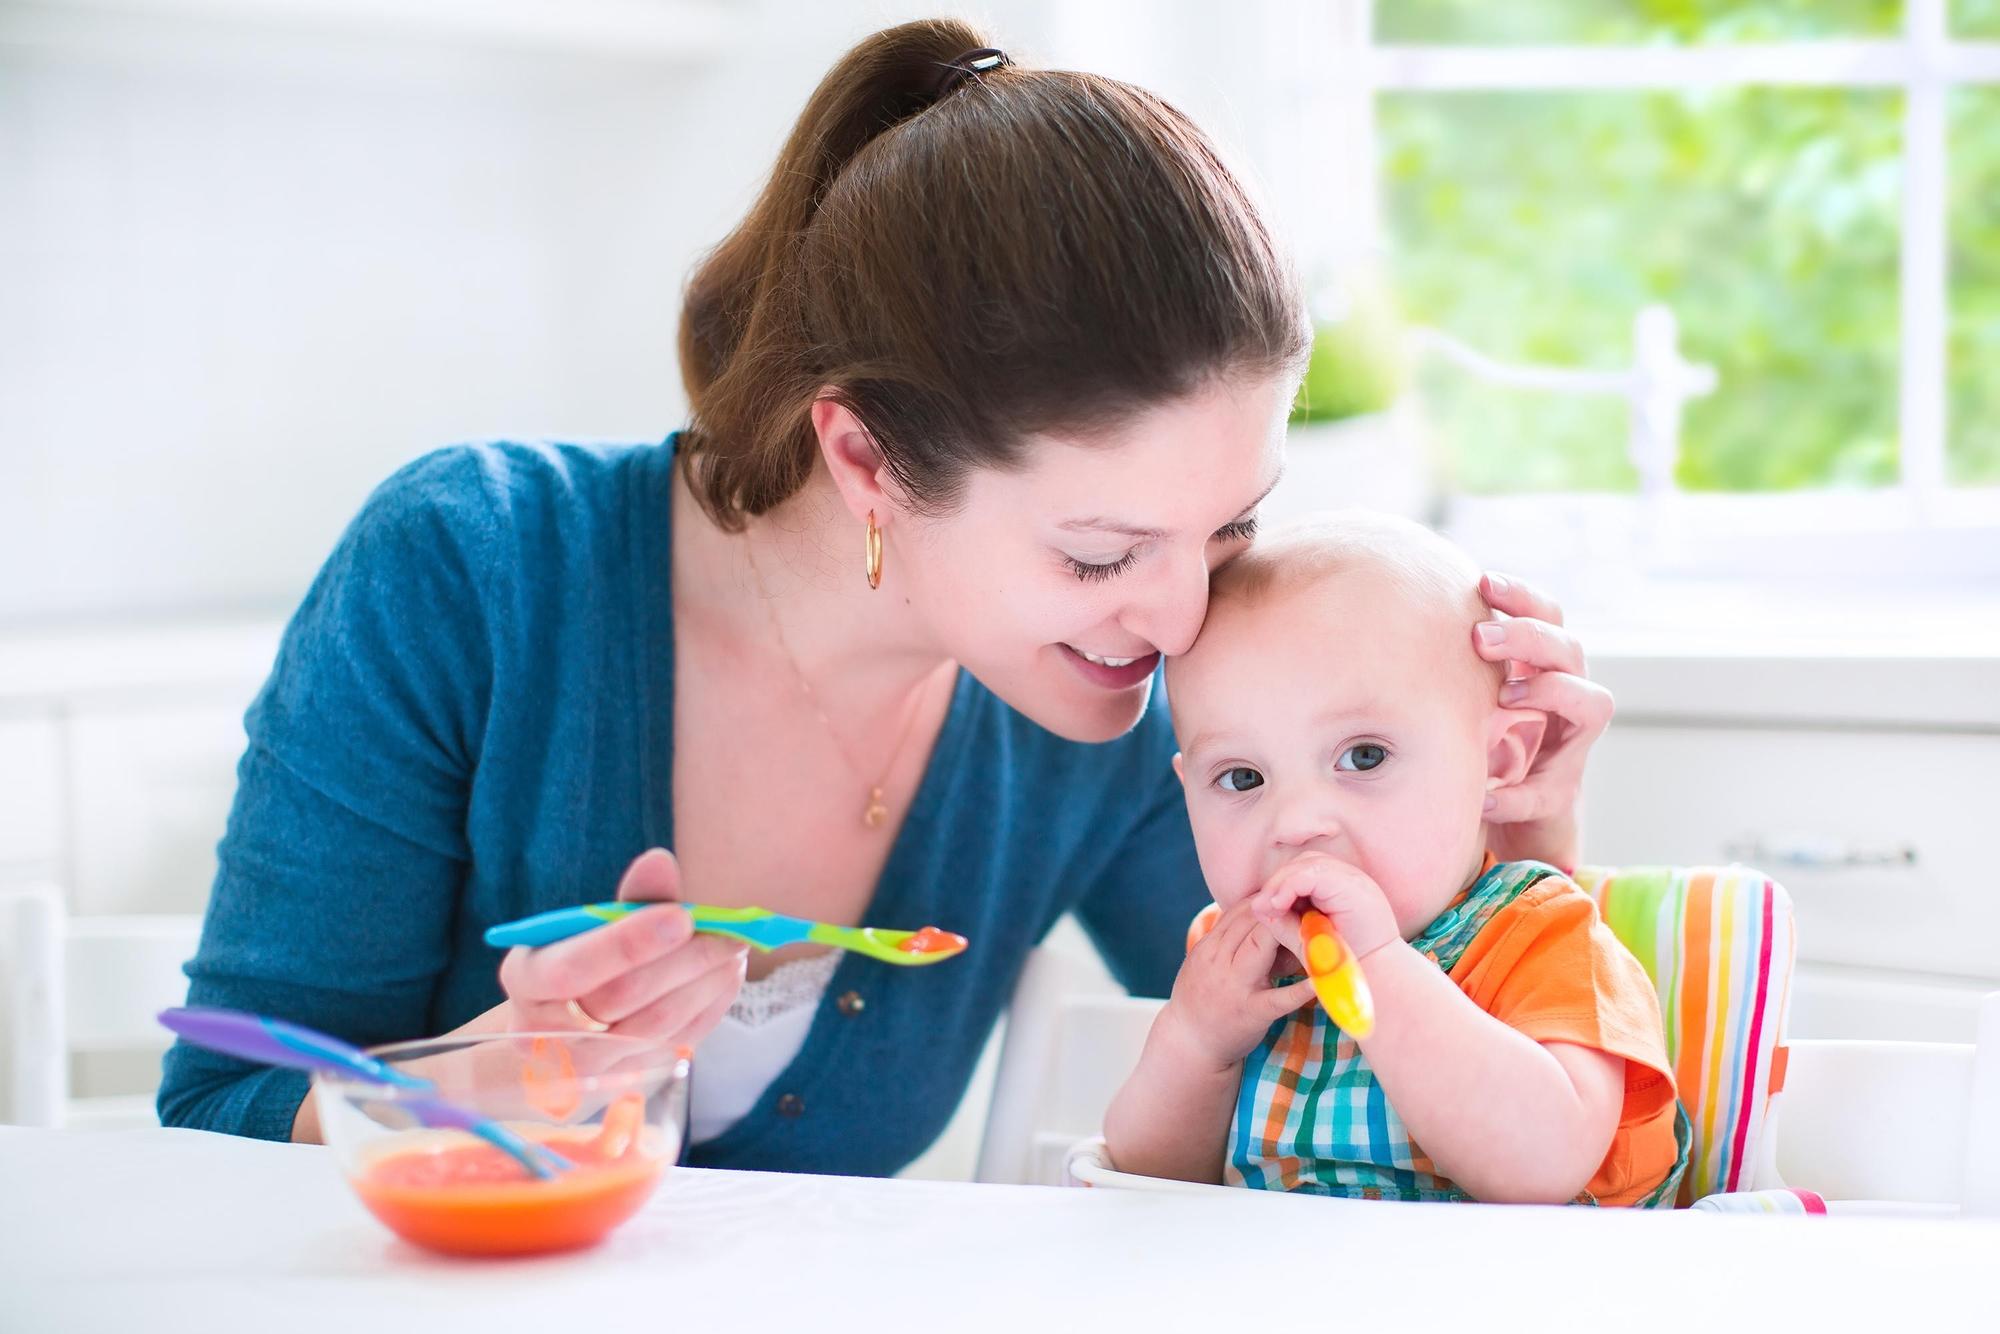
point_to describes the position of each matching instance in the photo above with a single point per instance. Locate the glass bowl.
(614, 1107)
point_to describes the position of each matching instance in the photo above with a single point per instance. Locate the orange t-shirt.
(1547, 966)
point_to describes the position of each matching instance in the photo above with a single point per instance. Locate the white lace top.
(763, 1031)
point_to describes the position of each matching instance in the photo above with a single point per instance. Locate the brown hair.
(1032, 250)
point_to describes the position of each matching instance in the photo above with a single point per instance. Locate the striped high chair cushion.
(1776, 1200)
(1717, 942)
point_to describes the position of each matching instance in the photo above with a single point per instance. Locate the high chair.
(86, 984)
(1717, 943)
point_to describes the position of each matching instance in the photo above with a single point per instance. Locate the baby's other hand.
(1223, 1001)
(1352, 901)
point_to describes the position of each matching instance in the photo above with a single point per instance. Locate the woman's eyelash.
(1087, 572)
(1240, 531)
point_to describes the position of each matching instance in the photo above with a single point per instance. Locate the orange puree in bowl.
(472, 1199)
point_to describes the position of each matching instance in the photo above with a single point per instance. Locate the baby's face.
(1337, 718)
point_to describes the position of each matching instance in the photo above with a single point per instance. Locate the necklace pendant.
(876, 812)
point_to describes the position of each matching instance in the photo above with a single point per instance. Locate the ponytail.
(963, 260)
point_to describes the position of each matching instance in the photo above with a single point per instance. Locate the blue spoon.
(274, 1042)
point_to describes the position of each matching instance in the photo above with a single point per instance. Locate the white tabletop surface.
(170, 1230)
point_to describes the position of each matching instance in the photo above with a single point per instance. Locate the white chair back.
(1071, 1039)
(86, 985)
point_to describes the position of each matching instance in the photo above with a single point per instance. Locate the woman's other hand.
(1537, 818)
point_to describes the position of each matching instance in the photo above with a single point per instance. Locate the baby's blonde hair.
(1428, 570)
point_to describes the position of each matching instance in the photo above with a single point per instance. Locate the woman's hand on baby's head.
(1536, 818)
(1351, 900)
(648, 975)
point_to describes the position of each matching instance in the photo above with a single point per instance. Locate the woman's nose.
(1171, 616)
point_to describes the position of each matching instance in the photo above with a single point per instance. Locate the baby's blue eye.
(1240, 779)
(1362, 757)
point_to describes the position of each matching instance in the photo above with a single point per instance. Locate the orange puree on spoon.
(930, 940)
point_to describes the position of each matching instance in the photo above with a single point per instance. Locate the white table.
(168, 1230)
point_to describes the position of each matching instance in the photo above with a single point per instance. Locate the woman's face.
(1060, 583)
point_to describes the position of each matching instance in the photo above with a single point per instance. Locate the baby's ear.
(1513, 739)
(1178, 771)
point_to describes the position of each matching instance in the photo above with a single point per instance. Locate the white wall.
(238, 294)
(246, 271)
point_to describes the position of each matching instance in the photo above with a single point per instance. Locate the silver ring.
(590, 1022)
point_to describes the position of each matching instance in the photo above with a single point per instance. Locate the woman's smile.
(1109, 672)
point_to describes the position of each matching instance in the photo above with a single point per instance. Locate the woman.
(992, 377)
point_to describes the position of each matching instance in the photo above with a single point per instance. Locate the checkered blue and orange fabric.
(1529, 947)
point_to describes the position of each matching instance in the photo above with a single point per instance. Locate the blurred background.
(1690, 311)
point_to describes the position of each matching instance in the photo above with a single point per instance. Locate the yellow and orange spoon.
(1336, 976)
(1331, 967)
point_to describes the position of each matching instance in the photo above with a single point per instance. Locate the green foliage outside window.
(1535, 225)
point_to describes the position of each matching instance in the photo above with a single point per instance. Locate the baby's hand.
(1223, 1001)
(1354, 903)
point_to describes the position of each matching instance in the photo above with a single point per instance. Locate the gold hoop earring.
(874, 566)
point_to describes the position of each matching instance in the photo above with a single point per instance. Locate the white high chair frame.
(1936, 1105)
(84, 985)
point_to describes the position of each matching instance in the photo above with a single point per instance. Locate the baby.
(1339, 737)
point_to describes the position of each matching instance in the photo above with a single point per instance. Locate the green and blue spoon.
(758, 928)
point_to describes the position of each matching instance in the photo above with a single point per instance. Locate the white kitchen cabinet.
(1881, 837)
(1867, 786)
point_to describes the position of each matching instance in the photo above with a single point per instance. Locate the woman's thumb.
(653, 875)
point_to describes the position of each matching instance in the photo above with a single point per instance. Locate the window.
(1810, 187)
(1533, 225)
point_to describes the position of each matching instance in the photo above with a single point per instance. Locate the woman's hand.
(1536, 819)
(648, 975)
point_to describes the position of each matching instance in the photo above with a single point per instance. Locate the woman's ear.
(1514, 738)
(854, 459)
(1179, 772)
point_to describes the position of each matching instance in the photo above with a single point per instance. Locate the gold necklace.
(875, 812)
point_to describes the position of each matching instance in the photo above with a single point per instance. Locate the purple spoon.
(252, 1037)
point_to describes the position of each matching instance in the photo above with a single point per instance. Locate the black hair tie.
(972, 64)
